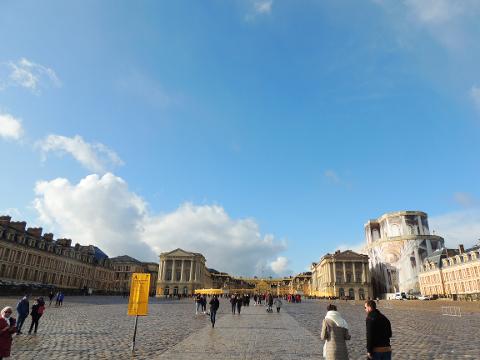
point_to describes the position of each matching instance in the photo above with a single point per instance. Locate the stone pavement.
(255, 334)
(98, 328)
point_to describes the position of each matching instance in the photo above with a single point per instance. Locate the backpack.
(41, 309)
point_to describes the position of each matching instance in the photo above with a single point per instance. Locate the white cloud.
(27, 74)
(332, 176)
(458, 227)
(280, 265)
(436, 11)
(101, 211)
(229, 244)
(259, 7)
(263, 6)
(465, 199)
(104, 212)
(475, 96)
(95, 157)
(10, 127)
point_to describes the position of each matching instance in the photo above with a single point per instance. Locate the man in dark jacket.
(23, 308)
(214, 305)
(379, 333)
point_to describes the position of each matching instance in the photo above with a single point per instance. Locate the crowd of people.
(9, 325)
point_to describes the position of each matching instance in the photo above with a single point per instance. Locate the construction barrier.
(451, 311)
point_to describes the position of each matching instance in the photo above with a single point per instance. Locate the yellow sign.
(139, 290)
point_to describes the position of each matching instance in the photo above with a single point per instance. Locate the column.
(196, 270)
(344, 272)
(417, 259)
(191, 271)
(182, 270)
(354, 273)
(404, 227)
(173, 272)
(429, 247)
(420, 226)
(334, 272)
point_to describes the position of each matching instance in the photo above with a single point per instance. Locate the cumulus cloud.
(475, 96)
(458, 227)
(10, 127)
(233, 245)
(27, 74)
(103, 211)
(94, 157)
(280, 265)
(98, 210)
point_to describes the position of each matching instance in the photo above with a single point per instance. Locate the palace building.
(30, 258)
(181, 273)
(344, 274)
(396, 244)
(453, 273)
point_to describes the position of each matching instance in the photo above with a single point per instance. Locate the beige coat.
(335, 336)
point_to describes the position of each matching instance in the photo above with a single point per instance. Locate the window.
(166, 291)
(342, 292)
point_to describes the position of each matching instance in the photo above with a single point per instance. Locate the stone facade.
(397, 243)
(124, 266)
(300, 284)
(181, 273)
(342, 275)
(31, 258)
(452, 273)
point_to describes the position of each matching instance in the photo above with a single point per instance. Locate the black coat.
(379, 330)
(214, 304)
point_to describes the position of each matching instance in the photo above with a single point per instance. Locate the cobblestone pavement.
(98, 328)
(419, 329)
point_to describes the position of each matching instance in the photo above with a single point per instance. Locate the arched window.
(175, 290)
(185, 290)
(351, 293)
(166, 291)
(341, 292)
(361, 294)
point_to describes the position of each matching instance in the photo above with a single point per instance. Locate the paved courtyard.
(98, 328)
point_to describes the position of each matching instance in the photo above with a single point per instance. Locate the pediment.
(179, 252)
(349, 255)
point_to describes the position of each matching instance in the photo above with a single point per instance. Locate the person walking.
(23, 308)
(269, 302)
(51, 295)
(379, 332)
(38, 309)
(204, 304)
(278, 304)
(214, 305)
(233, 302)
(7, 328)
(239, 304)
(60, 298)
(335, 333)
(198, 303)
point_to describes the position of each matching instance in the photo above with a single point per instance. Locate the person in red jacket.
(37, 311)
(7, 328)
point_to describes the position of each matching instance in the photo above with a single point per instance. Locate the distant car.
(424, 297)
(400, 296)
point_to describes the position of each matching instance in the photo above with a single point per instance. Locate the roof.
(125, 258)
(99, 254)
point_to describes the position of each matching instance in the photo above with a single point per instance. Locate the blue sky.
(260, 133)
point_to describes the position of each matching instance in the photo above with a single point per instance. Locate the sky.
(261, 133)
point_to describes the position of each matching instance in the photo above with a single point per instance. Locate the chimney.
(48, 237)
(5, 220)
(461, 249)
(18, 225)
(37, 232)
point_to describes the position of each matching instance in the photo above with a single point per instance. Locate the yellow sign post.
(138, 301)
